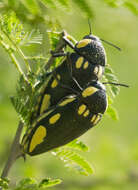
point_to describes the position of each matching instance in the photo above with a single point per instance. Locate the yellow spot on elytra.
(37, 138)
(86, 113)
(81, 109)
(89, 91)
(38, 101)
(55, 82)
(83, 43)
(100, 72)
(65, 102)
(25, 146)
(106, 104)
(86, 64)
(36, 107)
(79, 62)
(44, 115)
(97, 119)
(96, 69)
(93, 118)
(25, 137)
(45, 103)
(54, 118)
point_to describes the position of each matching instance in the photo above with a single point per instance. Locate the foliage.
(13, 37)
(37, 11)
(29, 89)
(72, 159)
(30, 184)
(4, 183)
(131, 5)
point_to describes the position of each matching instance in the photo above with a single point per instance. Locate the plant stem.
(14, 60)
(15, 151)
(17, 49)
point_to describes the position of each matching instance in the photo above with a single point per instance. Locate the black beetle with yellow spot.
(91, 48)
(72, 101)
(68, 119)
(84, 65)
(68, 78)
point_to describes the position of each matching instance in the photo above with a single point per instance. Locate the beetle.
(80, 67)
(72, 101)
(72, 116)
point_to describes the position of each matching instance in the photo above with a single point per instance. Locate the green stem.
(14, 60)
(24, 58)
(17, 49)
(15, 151)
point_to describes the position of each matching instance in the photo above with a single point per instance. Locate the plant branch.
(14, 60)
(17, 49)
(15, 151)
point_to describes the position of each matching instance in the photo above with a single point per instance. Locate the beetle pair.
(73, 100)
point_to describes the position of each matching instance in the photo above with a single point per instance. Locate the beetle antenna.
(90, 26)
(117, 84)
(109, 43)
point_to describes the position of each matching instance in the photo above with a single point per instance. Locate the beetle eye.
(92, 37)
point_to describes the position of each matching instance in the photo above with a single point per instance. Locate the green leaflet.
(74, 161)
(77, 145)
(33, 37)
(112, 112)
(85, 7)
(111, 77)
(53, 38)
(132, 6)
(49, 182)
(32, 6)
(49, 3)
(111, 3)
(4, 183)
(27, 184)
(31, 184)
(64, 3)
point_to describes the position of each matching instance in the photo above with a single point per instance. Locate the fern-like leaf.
(85, 7)
(112, 112)
(132, 6)
(65, 3)
(53, 38)
(4, 183)
(33, 37)
(31, 184)
(74, 161)
(49, 3)
(32, 6)
(111, 77)
(78, 145)
(28, 184)
(49, 183)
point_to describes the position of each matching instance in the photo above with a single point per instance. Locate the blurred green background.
(113, 144)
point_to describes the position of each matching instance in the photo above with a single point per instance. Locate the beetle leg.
(69, 63)
(58, 54)
(64, 85)
(68, 42)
